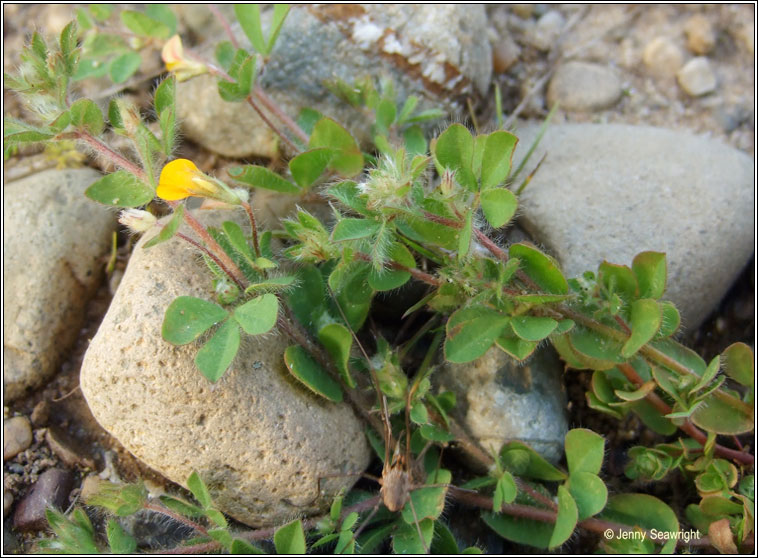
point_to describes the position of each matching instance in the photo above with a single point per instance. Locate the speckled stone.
(53, 239)
(257, 437)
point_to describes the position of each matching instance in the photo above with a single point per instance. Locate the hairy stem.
(116, 158)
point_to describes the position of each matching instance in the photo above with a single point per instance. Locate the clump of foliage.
(414, 209)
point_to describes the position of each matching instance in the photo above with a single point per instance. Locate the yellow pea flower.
(181, 178)
(176, 62)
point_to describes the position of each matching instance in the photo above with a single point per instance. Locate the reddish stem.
(212, 256)
(116, 158)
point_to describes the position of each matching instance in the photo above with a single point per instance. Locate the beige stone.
(257, 437)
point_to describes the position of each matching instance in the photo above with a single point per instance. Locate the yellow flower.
(182, 67)
(181, 178)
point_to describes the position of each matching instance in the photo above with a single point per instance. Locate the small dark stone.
(51, 489)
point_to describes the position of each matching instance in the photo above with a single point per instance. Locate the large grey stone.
(501, 400)
(439, 53)
(608, 192)
(257, 437)
(53, 239)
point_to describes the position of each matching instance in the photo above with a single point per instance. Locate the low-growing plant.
(414, 208)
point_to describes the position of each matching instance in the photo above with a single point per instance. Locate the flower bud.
(137, 220)
(176, 62)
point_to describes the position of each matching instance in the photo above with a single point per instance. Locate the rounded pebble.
(584, 86)
(40, 413)
(701, 38)
(663, 57)
(548, 29)
(505, 53)
(7, 502)
(17, 436)
(696, 77)
(51, 489)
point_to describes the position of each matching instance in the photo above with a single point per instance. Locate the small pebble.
(40, 414)
(584, 86)
(51, 489)
(523, 10)
(701, 38)
(17, 436)
(745, 35)
(505, 53)
(663, 57)
(548, 29)
(7, 502)
(696, 77)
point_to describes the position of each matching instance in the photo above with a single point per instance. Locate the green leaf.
(497, 158)
(246, 75)
(169, 229)
(428, 502)
(595, 350)
(347, 159)
(650, 269)
(739, 363)
(471, 332)
(181, 507)
(69, 53)
(261, 177)
(277, 20)
(389, 279)
(415, 140)
(618, 279)
(218, 353)
(75, 536)
(435, 433)
(258, 315)
(444, 541)
(584, 451)
(454, 150)
(523, 531)
(163, 14)
(533, 328)
(708, 376)
(515, 346)
(165, 95)
(637, 394)
(566, 520)
(199, 490)
(652, 417)
(407, 541)
(216, 517)
(249, 17)
(499, 206)
(222, 536)
(352, 229)
(589, 493)
(338, 341)
(505, 491)
(237, 239)
(100, 12)
(307, 167)
(670, 319)
(522, 460)
(86, 114)
(464, 237)
(646, 315)
(541, 268)
(120, 541)
(124, 66)
(188, 317)
(385, 115)
(309, 372)
(144, 25)
(121, 189)
(225, 53)
(290, 539)
(644, 511)
(724, 414)
(241, 546)
(353, 293)
(16, 131)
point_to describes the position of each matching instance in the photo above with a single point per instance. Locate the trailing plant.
(417, 208)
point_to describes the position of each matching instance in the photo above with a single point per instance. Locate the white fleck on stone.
(701, 38)
(393, 46)
(365, 33)
(696, 77)
(663, 57)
